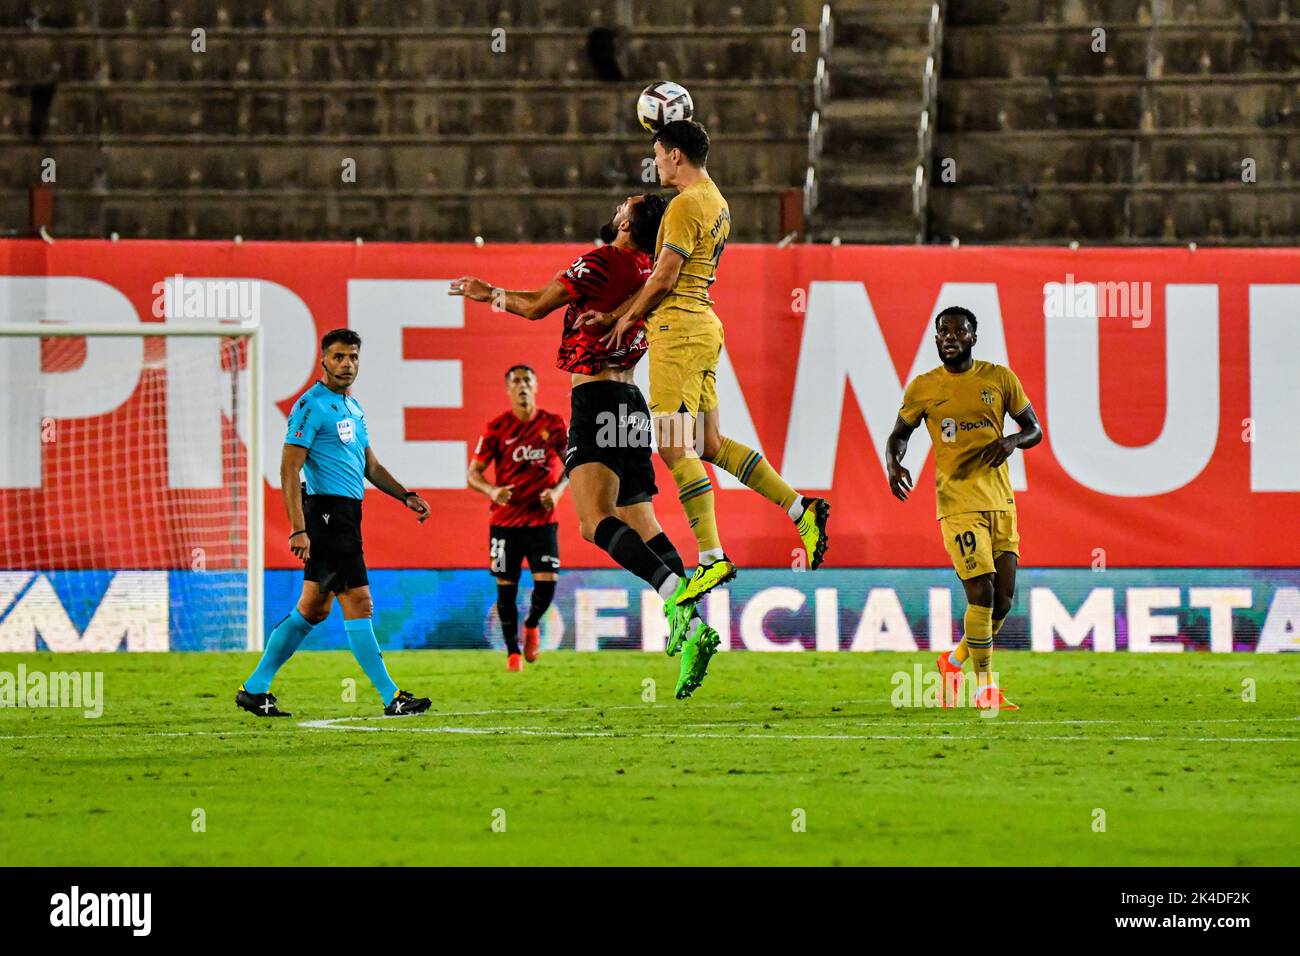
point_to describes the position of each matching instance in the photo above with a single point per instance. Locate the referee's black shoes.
(406, 703)
(260, 705)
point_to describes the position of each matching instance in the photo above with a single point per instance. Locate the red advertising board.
(1164, 379)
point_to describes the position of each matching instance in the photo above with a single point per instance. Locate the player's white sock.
(669, 587)
(796, 510)
(711, 556)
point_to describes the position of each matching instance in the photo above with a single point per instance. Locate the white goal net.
(130, 487)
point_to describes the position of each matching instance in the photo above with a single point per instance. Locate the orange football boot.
(952, 678)
(985, 700)
(532, 643)
(514, 663)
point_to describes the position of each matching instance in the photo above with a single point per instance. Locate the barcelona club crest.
(986, 396)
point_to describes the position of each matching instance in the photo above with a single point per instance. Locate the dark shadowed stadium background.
(881, 159)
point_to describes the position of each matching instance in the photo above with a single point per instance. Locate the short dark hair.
(346, 336)
(688, 136)
(646, 216)
(966, 314)
(515, 368)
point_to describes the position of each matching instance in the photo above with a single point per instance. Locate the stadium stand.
(450, 138)
(1177, 122)
(903, 120)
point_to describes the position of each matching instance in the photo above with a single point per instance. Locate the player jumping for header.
(328, 443)
(685, 338)
(964, 403)
(608, 459)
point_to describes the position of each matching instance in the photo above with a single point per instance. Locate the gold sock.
(696, 494)
(755, 473)
(979, 640)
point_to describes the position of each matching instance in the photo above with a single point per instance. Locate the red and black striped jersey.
(601, 279)
(528, 456)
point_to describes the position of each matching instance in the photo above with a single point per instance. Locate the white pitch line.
(338, 723)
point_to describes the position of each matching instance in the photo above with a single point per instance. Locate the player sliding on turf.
(327, 442)
(608, 460)
(963, 403)
(685, 338)
(523, 446)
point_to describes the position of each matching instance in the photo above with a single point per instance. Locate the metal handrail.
(925, 127)
(821, 88)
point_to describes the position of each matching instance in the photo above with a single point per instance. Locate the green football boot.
(679, 613)
(696, 654)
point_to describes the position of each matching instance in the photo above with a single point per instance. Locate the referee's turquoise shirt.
(332, 427)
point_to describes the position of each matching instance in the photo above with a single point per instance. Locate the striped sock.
(696, 494)
(755, 473)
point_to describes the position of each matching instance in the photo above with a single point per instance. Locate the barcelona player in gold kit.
(685, 338)
(963, 403)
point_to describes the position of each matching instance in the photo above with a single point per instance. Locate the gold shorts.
(975, 538)
(685, 348)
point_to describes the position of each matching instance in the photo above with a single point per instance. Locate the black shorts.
(610, 424)
(337, 561)
(507, 548)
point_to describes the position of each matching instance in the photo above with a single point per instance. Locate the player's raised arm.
(900, 479)
(532, 305)
(380, 477)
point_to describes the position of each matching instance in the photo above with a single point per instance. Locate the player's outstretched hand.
(471, 288)
(300, 545)
(501, 494)
(998, 451)
(549, 498)
(900, 481)
(420, 507)
(592, 317)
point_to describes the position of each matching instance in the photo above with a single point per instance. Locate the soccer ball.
(663, 101)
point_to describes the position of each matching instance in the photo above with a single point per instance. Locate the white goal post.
(131, 485)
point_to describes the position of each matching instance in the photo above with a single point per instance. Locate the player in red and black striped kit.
(608, 457)
(524, 446)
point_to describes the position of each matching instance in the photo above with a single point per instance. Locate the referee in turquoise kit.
(328, 444)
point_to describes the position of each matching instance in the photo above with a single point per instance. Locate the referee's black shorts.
(610, 424)
(337, 561)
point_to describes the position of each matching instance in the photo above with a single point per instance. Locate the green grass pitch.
(581, 770)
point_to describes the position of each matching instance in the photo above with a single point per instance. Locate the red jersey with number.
(528, 456)
(601, 280)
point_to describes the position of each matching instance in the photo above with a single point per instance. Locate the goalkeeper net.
(130, 487)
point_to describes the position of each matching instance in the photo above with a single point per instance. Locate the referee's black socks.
(509, 614)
